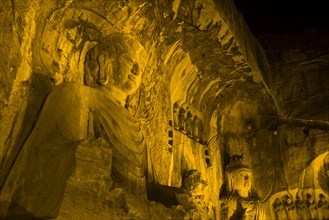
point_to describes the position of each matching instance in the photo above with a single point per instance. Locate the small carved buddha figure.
(279, 209)
(323, 207)
(310, 203)
(197, 129)
(301, 209)
(290, 207)
(175, 116)
(240, 201)
(189, 124)
(182, 118)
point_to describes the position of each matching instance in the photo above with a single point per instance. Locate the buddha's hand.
(228, 208)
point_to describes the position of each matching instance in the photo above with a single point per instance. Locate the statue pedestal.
(88, 190)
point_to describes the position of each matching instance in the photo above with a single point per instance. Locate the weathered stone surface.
(163, 23)
(207, 94)
(90, 192)
(195, 198)
(297, 78)
(299, 67)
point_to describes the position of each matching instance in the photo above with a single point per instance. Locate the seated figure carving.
(323, 207)
(279, 209)
(290, 207)
(238, 199)
(309, 200)
(73, 113)
(310, 203)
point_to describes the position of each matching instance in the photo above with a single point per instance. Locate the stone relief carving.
(310, 199)
(323, 207)
(238, 198)
(188, 124)
(194, 197)
(79, 46)
(73, 113)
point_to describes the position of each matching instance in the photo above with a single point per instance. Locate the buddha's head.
(239, 178)
(118, 61)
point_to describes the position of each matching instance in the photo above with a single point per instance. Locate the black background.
(282, 16)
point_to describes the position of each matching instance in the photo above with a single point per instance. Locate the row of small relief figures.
(188, 124)
(301, 209)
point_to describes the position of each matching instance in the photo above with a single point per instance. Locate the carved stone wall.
(297, 78)
(207, 95)
(53, 50)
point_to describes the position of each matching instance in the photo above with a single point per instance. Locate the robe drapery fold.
(49, 152)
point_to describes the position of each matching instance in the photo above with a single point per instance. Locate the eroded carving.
(73, 113)
(290, 207)
(194, 197)
(279, 209)
(323, 207)
(238, 199)
(188, 123)
(309, 200)
(182, 120)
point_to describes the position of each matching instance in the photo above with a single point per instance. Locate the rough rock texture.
(194, 197)
(298, 79)
(299, 72)
(207, 95)
(90, 192)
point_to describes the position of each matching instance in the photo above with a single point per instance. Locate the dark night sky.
(278, 16)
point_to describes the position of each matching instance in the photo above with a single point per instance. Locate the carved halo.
(48, 52)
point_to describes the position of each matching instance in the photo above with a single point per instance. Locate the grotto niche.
(148, 109)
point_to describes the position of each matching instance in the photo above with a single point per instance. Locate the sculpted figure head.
(117, 64)
(239, 178)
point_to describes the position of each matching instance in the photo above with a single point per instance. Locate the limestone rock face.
(299, 67)
(208, 97)
(298, 71)
(91, 193)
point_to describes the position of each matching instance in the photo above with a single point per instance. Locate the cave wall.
(166, 24)
(205, 94)
(299, 70)
(299, 67)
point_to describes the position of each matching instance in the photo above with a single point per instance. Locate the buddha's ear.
(135, 69)
(103, 77)
(230, 178)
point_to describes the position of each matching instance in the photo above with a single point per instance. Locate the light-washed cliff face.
(204, 99)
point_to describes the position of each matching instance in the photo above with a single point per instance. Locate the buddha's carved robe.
(70, 114)
(236, 207)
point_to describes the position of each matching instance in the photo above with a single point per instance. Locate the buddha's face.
(117, 63)
(121, 71)
(242, 179)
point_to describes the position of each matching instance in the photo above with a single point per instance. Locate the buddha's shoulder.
(71, 90)
(70, 87)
